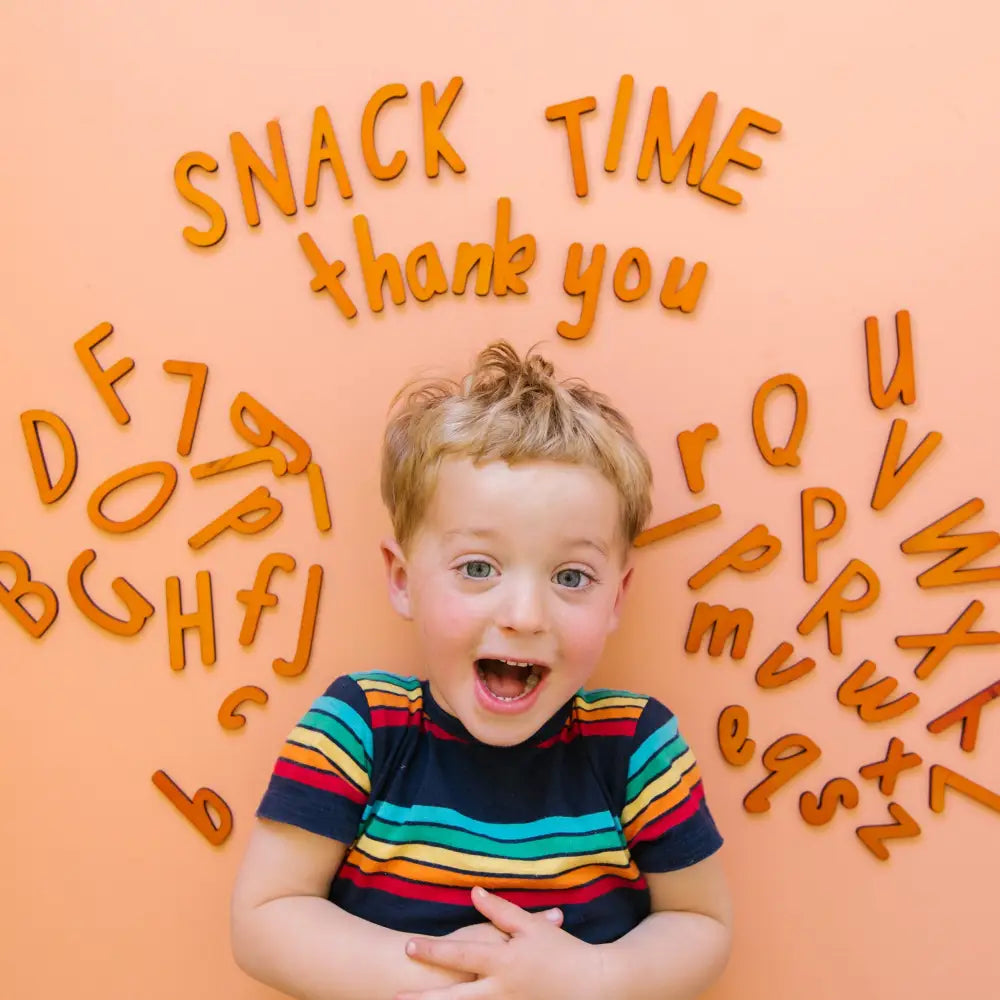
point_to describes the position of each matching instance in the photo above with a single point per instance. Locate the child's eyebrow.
(490, 534)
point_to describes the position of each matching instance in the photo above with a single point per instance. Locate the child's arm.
(287, 934)
(681, 948)
(674, 954)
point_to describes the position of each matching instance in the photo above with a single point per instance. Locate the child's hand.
(487, 933)
(529, 957)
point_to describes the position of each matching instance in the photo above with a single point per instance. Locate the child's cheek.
(448, 615)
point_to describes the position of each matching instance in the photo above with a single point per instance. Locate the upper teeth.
(518, 663)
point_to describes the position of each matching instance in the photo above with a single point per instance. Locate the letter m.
(723, 622)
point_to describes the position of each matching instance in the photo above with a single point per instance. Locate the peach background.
(875, 196)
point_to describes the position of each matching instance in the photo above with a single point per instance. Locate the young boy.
(544, 841)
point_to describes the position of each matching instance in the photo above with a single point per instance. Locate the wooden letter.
(30, 420)
(255, 456)
(505, 268)
(139, 609)
(196, 810)
(691, 445)
(788, 453)
(967, 713)
(379, 170)
(769, 675)
(269, 427)
(734, 736)
(570, 113)
(21, 587)
(249, 165)
(229, 718)
(734, 557)
(784, 758)
(638, 257)
(216, 215)
(307, 628)
(902, 386)
(259, 501)
(672, 295)
(724, 622)
(200, 619)
(869, 699)
(731, 152)
(377, 269)
(892, 476)
(943, 778)
(811, 535)
(940, 644)
(586, 283)
(317, 493)
(259, 597)
(435, 283)
(620, 118)
(148, 512)
(694, 143)
(889, 768)
(963, 548)
(104, 378)
(433, 113)
(324, 148)
(327, 276)
(678, 524)
(467, 257)
(873, 837)
(197, 371)
(832, 604)
(819, 811)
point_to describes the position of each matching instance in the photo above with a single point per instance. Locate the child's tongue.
(504, 679)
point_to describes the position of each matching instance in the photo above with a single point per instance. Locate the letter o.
(637, 256)
(100, 520)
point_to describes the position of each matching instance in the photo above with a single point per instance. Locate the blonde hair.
(513, 410)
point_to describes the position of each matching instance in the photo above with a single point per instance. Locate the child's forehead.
(498, 473)
(496, 497)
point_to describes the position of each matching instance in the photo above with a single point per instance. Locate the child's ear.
(397, 576)
(616, 611)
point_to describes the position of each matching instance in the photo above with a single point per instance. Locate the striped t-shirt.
(606, 790)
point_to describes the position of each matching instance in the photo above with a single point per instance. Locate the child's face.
(520, 563)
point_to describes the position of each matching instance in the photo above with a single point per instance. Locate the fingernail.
(479, 892)
(411, 947)
(552, 915)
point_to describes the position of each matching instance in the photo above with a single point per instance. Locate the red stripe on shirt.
(317, 779)
(660, 826)
(395, 886)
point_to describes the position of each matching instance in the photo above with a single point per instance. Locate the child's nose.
(523, 607)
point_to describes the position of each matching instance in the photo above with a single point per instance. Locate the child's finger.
(509, 917)
(461, 991)
(461, 956)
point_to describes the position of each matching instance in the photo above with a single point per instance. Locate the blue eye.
(477, 569)
(572, 578)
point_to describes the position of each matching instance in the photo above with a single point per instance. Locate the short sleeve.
(666, 819)
(321, 780)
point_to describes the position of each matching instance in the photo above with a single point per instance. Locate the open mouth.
(509, 680)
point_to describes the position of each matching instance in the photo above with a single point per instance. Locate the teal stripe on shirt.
(337, 733)
(325, 711)
(598, 693)
(569, 825)
(659, 765)
(651, 745)
(556, 845)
